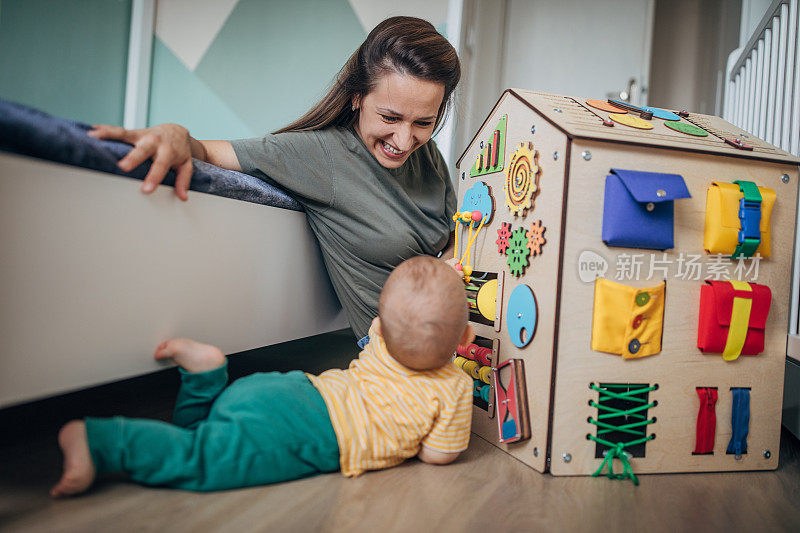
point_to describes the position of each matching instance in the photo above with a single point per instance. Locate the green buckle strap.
(750, 190)
(749, 219)
(746, 249)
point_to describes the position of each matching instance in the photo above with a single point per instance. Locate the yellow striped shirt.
(382, 411)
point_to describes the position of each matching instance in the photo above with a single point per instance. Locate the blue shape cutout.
(478, 198)
(521, 315)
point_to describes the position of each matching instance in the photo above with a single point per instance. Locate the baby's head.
(423, 313)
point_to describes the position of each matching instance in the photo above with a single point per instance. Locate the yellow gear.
(522, 179)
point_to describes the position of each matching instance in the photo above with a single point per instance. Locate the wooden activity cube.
(575, 148)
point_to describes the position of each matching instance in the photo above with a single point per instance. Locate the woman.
(375, 188)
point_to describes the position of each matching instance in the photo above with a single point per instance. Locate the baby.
(401, 397)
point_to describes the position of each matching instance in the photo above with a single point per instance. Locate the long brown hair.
(405, 45)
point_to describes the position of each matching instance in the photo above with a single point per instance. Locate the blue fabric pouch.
(638, 208)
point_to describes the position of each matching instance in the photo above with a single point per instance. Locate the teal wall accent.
(179, 96)
(273, 59)
(66, 57)
(270, 62)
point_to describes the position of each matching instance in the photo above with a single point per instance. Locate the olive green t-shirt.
(367, 218)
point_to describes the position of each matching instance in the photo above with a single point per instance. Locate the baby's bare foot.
(79, 471)
(192, 356)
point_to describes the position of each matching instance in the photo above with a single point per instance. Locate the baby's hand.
(452, 262)
(190, 355)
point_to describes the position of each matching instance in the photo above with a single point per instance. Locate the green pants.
(262, 429)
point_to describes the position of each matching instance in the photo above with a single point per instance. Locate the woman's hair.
(405, 45)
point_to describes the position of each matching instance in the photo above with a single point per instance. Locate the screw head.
(533, 129)
(785, 178)
(557, 110)
(536, 452)
(567, 457)
(650, 206)
(767, 454)
(555, 155)
(586, 154)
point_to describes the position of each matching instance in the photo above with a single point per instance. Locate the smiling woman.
(361, 161)
(398, 116)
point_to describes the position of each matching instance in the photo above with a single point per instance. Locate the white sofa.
(94, 274)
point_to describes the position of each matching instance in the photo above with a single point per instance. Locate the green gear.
(517, 252)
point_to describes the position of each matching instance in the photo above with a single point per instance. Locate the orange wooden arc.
(602, 105)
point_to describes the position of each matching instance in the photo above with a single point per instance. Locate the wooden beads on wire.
(479, 390)
(468, 366)
(476, 361)
(475, 221)
(476, 353)
(465, 269)
(468, 216)
(476, 371)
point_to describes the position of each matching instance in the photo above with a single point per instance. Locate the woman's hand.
(168, 145)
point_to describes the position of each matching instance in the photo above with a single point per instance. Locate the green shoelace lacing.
(638, 428)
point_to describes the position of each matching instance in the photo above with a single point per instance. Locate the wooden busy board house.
(586, 233)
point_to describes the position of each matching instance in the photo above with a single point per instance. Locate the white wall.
(571, 47)
(691, 43)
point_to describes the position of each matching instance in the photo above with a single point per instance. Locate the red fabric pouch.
(716, 307)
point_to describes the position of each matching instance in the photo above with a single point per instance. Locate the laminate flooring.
(485, 490)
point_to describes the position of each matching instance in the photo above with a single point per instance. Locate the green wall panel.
(66, 57)
(273, 59)
(178, 95)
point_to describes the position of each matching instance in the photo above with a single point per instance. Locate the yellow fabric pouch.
(722, 219)
(627, 321)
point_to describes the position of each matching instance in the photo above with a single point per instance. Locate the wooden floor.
(485, 490)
